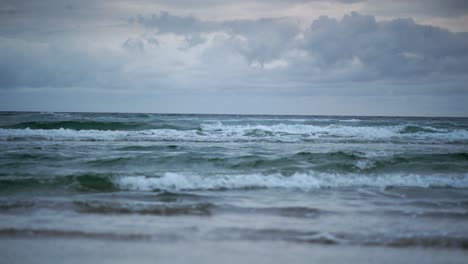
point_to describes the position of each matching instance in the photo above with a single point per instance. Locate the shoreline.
(49, 250)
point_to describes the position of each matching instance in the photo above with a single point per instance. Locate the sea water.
(166, 182)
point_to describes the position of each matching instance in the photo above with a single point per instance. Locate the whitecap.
(312, 180)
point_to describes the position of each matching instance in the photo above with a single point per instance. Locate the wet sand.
(26, 250)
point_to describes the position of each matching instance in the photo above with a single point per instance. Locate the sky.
(305, 57)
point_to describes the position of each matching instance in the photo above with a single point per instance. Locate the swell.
(327, 238)
(409, 129)
(218, 132)
(182, 181)
(78, 125)
(289, 211)
(299, 181)
(159, 204)
(87, 182)
(405, 163)
(251, 234)
(55, 233)
(442, 214)
(148, 148)
(332, 162)
(170, 157)
(200, 209)
(98, 125)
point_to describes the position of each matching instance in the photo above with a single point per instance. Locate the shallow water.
(303, 181)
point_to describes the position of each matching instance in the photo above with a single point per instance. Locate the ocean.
(176, 188)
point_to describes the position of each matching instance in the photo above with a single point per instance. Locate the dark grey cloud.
(445, 8)
(260, 40)
(211, 3)
(398, 48)
(83, 46)
(266, 39)
(437, 8)
(356, 49)
(134, 45)
(168, 23)
(395, 8)
(356, 44)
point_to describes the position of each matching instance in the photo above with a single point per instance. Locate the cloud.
(134, 45)
(264, 39)
(353, 55)
(399, 48)
(438, 8)
(258, 40)
(355, 64)
(168, 23)
(211, 3)
(357, 47)
(249, 49)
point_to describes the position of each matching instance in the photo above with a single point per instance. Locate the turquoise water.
(327, 180)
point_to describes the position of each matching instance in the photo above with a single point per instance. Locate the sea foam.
(181, 181)
(219, 132)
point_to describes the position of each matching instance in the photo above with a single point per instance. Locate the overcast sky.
(345, 57)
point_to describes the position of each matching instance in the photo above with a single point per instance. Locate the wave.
(411, 129)
(148, 148)
(331, 238)
(57, 233)
(218, 132)
(192, 207)
(94, 126)
(350, 120)
(78, 125)
(87, 182)
(338, 162)
(356, 162)
(365, 163)
(254, 234)
(331, 130)
(171, 181)
(178, 181)
(98, 207)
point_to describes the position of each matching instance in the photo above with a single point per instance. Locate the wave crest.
(177, 181)
(218, 132)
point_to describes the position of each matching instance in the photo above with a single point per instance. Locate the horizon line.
(230, 114)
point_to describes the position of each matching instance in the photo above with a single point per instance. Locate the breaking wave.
(171, 181)
(93, 125)
(178, 181)
(218, 132)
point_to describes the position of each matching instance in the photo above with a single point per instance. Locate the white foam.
(180, 181)
(350, 120)
(219, 132)
(60, 134)
(295, 132)
(365, 164)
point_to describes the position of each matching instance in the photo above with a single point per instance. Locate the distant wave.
(93, 125)
(410, 129)
(218, 132)
(78, 125)
(350, 120)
